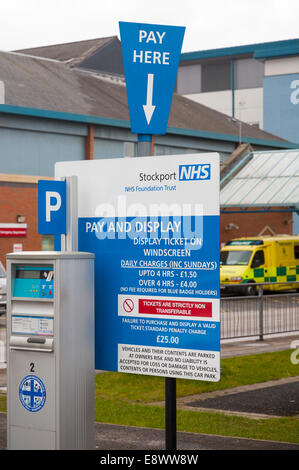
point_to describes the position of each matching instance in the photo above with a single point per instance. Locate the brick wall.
(253, 224)
(19, 199)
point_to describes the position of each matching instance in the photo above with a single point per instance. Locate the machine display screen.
(28, 274)
(34, 281)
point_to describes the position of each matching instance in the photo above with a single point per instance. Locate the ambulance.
(244, 262)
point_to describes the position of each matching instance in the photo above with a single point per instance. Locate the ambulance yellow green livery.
(247, 261)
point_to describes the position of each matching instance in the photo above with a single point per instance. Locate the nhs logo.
(201, 171)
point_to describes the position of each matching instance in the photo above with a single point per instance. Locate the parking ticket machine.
(50, 341)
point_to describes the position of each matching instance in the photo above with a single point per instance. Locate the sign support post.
(71, 237)
(144, 145)
(144, 149)
(170, 413)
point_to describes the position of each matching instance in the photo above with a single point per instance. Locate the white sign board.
(153, 224)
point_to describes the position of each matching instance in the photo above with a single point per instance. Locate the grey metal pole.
(170, 413)
(144, 145)
(144, 149)
(71, 238)
(69, 241)
(261, 313)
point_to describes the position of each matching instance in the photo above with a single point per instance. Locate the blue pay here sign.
(153, 224)
(151, 55)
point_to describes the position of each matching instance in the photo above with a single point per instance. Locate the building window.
(216, 76)
(189, 79)
(249, 73)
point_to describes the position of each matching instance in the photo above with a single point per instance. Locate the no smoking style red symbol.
(128, 305)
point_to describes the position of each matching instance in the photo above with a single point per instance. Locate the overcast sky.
(209, 23)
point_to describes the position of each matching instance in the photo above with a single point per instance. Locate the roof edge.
(62, 116)
(100, 120)
(62, 44)
(235, 168)
(232, 138)
(259, 50)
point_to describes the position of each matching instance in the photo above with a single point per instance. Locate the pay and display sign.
(153, 224)
(151, 55)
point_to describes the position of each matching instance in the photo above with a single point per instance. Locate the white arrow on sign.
(149, 108)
